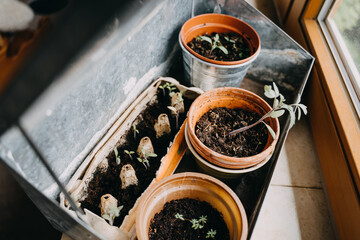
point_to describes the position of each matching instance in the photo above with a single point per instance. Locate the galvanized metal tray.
(83, 102)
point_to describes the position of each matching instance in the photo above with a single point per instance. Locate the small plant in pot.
(235, 129)
(217, 50)
(190, 206)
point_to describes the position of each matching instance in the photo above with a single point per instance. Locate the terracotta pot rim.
(219, 168)
(228, 161)
(219, 65)
(253, 55)
(148, 195)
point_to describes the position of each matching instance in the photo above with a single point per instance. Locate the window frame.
(340, 54)
(342, 109)
(335, 125)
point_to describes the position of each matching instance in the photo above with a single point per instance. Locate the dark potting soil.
(165, 225)
(236, 45)
(213, 127)
(109, 181)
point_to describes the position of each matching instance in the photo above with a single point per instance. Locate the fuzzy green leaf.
(211, 233)
(151, 155)
(303, 107)
(172, 109)
(116, 152)
(222, 48)
(276, 90)
(227, 39)
(298, 111)
(216, 38)
(271, 131)
(179, 216)
(276, 103)
(203, 219)
(269, 92)
(106, 217)
(277, 113)
(292, 115)
(118, 160)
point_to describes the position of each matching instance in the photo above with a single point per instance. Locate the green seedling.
(232, 41)
(129, 153)
(277, 110)
(211, 233)
(175, 110)
(118, 160)
(136, 131)
(112, 213)
(196, 223)
(170, 86)
(215, 43)
(145, 159)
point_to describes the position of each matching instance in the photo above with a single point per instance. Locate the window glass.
(347, 20)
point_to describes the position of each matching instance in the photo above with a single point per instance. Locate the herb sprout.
(211, 233)
(170, 86)
(278, 110)
(145, 159)
(176, 108)
(196, 223)
(136, 131)
(179, 216)
(112, 213)
(129, 153)
(118, 160)
(215, 43)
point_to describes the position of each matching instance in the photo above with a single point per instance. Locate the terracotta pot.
(216, 171)
(230, 98)
(219, 23)
(197, 186)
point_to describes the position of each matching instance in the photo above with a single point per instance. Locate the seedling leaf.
(269, 92)
(151, 155)
(222, 48)
(276, 90)
(179, 216)
(271, 131)
(106, 217)
(277, 113)
(172, 109)
(211, 233)
(205, 38)
(303, 108)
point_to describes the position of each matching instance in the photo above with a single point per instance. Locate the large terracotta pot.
(197, 186)
(219, 23)
(230, 98)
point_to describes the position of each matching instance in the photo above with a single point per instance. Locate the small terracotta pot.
(197, 186)
(219, 23)
(230, 97)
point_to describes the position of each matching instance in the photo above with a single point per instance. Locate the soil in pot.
(213, 127)
(188, 219)
(221, 46)
(108, 181)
